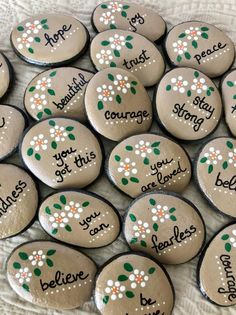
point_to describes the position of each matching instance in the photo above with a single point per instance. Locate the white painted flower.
(106, 93)
(193, 33)
(43, 84)
(233, 239)
(58, 220)
(213, 156)
(199, 85)
(138, 278)
(24, 40)
(127, 167)
(180, 47)
(23, 275)
(179, 84)
(122, 84)
(115, 7)
(232, 157)
(104, 57)
(115, 289)
(34, 27)
(117, 41)
(143, 148)
(74, 209)
(38, 101)
(39, 143)
(37, 258)
(58, 133)
(107, 18)
(141, 229)
(160, 213)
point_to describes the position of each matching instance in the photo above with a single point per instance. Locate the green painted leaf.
(112, 26)
(225, 165)
(125, 7)
(51, 92)
(104, 6)
(105, 43)
(54, 231)
(156, 151)
(37, 272)
(52, 74)
(37, 156)
(229, 144)
(143, 243)
(123, 13)
(110, 77)
(122, 278)
(69, 128)
(196, 74)
(203, 160)
(230, 83)
(118, 99)
(152, 201)
(173, 218)
(40, 115)
(151, 270)
(23, 256)
(37, 39)
(68, 228)
(129, 148)
(134, 179)
(20, 28)
(45, 26)
(63, 199)
(179, 58)
(31, 50)
(129, 294)
(187, 55)
(54, 145)
(134, 83)
(124, 181)
(105, 299)
(146, 161)
(100, 105)
(208, 92)
(234, 97)
(132, 217)
(225, 237)
(134, 240)
(155, 227)
(155, 144)
(228, 247)
(16, 265)
(211, 88)
(210, 169)
(71, 136)
(25, 286)
(133, 90)
(189, 93)
(204, 35)
(204, 29)
(194, 44)
(129, 37)
(182, 35)
(116, 53)
(172, 210)
(117, 158)
(47, 210)
(57, 206)
(52, 123)
(32, 88)
(47, 111)
(128, 267)
(49, 262)
(85, 204)
(112, 64)
(30, 152)
(168, 87)
(43, 21)
(128, 45)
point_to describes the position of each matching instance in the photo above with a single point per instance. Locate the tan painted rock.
(18, 200)
(5, 74)
(12, 125)
(80, 218)
(50, 39)
(129, 51)
(188, 104)
(165, 226)
(51, 275)
(62, 153)
(128, 16)
(57, 92)
(228, 88)
(216, 173)
(117, 104)
(217, 268)
(148, 162)
(133, 284)
(201, 46)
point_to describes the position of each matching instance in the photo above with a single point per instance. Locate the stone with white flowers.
(133, 284)
(67, 214)
(216, 173)
(57, 92)
(201, 46)
(117, 104)
(129, 51)
(51, 275)
(128, 16)
(18, 200)
(188, 104)
(217, 267)
(6, 74)
(166, 226)
(49, 39)
(146, 162)
(62, 153)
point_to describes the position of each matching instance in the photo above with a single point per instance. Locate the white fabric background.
(221, 13)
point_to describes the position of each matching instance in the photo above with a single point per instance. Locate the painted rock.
(62, 153)
(12, 124)
(216, 173)
(117, 104)
(129, 51)
(165, 226)
(50, 39)
(6, 73)
(18, 200)
(148, 162)
(57, 92)
(51, 275)
(129, 16)
(67, 214)
(228, 88)
(133, 284)
(201, 46)
(217, 268)
(188, 104)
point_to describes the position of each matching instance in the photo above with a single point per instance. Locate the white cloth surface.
(189, 300)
